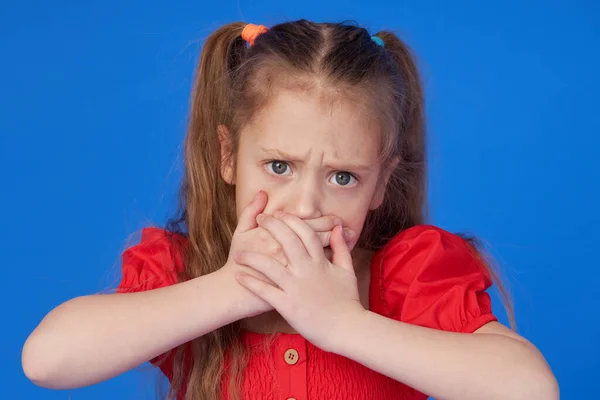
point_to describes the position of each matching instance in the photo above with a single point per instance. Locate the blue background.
(93, 110)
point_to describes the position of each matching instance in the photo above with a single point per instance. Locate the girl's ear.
(227, 170)
(379, 194)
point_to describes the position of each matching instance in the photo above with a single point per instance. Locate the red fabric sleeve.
(429, 277)
(153, 263)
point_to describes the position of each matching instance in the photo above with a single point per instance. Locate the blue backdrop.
(93, 111)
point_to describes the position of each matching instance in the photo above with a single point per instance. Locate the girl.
(299, 266)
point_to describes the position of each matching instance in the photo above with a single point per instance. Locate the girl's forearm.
(93, 338)
(447, 365)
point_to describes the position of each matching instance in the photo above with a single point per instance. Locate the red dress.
(423, 276)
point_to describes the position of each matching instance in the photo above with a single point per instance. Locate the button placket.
(291, 364)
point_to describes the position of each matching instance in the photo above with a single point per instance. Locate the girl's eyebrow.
(275, 153)
(340, 165)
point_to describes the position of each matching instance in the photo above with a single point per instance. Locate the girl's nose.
(304, 202)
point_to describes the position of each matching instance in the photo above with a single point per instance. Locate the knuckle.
(280, 256)
(324, 238)
(263, 235)
(322, 224)
(273, 248)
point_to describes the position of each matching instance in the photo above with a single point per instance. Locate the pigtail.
(413, 105)
(412, 140)
(410, 175)
(404, 203)
(206, 193)
(207, 210)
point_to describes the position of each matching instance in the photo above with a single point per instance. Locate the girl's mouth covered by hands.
(316, 295)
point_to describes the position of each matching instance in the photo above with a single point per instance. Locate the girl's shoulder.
(428, 276)
(423, 240)
(156, 261)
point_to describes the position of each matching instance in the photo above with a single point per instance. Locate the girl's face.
(311, 159)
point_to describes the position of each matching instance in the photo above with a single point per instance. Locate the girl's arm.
(320, 299)
(92, 338)
(493, 363)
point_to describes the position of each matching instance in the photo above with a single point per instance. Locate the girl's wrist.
(241, 303)
(346, 333)
(227, 295)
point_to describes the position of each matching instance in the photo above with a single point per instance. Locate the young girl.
(300, 266)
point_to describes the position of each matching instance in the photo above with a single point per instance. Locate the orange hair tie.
(251, 32)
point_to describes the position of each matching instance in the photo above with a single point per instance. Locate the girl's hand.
(248, 236)
(315, 296)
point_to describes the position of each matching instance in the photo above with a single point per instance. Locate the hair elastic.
(378, 40)
(251, 32)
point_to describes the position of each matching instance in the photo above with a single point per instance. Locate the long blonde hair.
(233, 81)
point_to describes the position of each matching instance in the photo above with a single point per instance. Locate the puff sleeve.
(429, 277)
(153, 263)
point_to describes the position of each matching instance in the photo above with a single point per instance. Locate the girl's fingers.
(325, 237)
(307, 235)
(247, 220)
(268, 266)
(341, 253)
(324, 224)
(323, 227)
(269, 293)
(290, 242)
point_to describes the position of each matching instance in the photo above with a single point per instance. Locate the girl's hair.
(233, 81)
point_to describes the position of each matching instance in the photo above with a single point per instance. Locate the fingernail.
(257, 195)
(236, 255)
(260, 217)
(349, 234)
(278, 214)
(338, 221)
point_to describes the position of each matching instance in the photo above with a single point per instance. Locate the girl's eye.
(278, 167)
(343, 179)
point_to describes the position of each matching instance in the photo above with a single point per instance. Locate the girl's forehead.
(301, 122)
